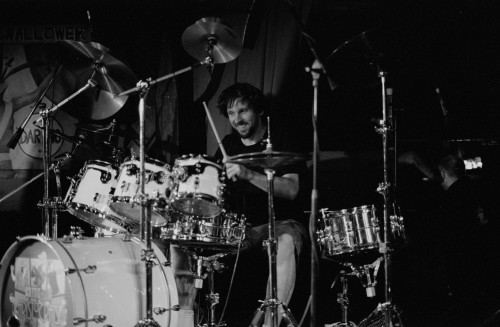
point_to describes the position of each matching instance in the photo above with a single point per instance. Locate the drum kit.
(74, 280)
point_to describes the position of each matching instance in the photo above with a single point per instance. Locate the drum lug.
(96, 319)
(160, 310)
(132, 170)
(148, 256)
(75, 232)
(105, 177)
(90, 269)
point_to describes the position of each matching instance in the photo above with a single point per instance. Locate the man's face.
(243, 119)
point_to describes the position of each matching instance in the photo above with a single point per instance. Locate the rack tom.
(198, 188)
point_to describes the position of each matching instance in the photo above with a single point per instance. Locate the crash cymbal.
(269, 160)
(209, 37)
(91, 60)
(71, 139)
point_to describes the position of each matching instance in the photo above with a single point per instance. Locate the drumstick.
(224, 154)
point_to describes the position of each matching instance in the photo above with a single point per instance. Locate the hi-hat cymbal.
(208, 37)
(91, 60)
(268, 160)
(72, 139)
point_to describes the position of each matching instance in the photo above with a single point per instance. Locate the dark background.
(422, 45)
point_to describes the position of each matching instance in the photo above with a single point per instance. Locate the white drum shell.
(116, 288)
(125, 200)
(198, 189)
(89, 195)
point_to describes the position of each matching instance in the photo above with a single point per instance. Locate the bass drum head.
(53, 283)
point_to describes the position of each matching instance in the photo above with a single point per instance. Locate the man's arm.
(286, 186)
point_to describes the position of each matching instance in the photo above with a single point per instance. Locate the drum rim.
(102, 215)
(97, 163)
(130, 159)
(118, 199)
(197, 159)
(218, 204)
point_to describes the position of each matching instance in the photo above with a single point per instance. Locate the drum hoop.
(196, 160)
(100, 163)
(154, 162)
(100, 214)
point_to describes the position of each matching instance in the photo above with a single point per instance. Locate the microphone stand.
(315, 70)
(17, 135)
(314, 197)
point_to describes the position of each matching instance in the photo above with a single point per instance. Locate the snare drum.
(125, 200)
(89, 194)
(224, 229)
(198, 187)
(95, 280)
(349, 231)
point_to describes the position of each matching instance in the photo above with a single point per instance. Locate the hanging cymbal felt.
(91, 60)
(208, 37)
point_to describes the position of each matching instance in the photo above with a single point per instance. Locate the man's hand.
(236, 171)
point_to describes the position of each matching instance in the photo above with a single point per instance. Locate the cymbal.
(72, 139)
(269, 160)
(208, 37)
(358, 61)
(91, 60)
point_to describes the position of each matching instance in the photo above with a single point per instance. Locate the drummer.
(244, 106)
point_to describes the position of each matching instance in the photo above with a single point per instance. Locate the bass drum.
(84, 282)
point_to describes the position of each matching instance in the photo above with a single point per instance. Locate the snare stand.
(211, 264)
(343, 300)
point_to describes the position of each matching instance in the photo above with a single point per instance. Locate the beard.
(247, 131)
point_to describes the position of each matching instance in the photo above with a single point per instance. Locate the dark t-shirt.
(245, 198)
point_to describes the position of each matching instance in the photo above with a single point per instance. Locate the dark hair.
(454, 165)
(244, 92)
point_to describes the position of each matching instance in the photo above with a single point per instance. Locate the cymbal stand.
(49, 205)
(148, 255)
(273, 303)
(384, 190)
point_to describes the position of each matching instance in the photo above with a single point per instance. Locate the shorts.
(255, 236)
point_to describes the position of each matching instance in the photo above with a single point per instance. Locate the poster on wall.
(28, 68)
